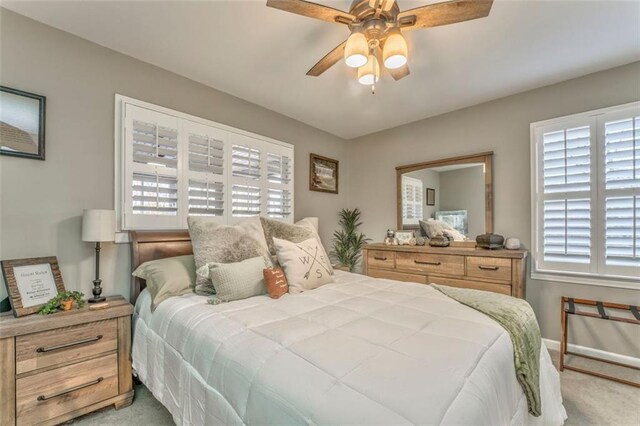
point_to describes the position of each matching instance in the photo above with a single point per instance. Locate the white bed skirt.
(192, 400)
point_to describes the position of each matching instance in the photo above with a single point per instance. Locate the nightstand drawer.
(381, 259)
(52, 393)
(433, 263)
(67, 344)
(493, 268)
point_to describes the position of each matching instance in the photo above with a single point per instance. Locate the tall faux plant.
(348, 242)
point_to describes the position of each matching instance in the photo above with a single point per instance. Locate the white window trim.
(119, 151)
(588, 277)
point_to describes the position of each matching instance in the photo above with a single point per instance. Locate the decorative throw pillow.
(434, 227)
(235, 281)
(216, 243)
(305, 264)
(165, 278)
(296, 233)
(454, 234)
(276, 282)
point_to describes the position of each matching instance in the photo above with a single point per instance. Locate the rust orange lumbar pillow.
(275, 282)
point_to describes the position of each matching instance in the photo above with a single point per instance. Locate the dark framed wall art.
(431, 197)
(22, 123)
(323, 174)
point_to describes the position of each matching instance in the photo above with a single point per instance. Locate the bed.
(361, 351)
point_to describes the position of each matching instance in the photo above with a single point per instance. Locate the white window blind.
(586, 194)
(622, 191)
(412, 200)
(172, 165)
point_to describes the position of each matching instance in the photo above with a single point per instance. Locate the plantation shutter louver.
(245, 162)
(622, 191)
(412, 200)
(279, 184)
(151, 151)
(246, 178)
(206, 171)
(245, 200)
(566, 181)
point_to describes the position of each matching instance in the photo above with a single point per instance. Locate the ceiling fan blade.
(328, 61)
(399, 73)
(450, 12)
(312, 10)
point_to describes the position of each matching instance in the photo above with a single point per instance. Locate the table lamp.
(98, 226)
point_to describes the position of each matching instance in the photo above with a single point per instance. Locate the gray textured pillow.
(295, 233)
(165, 278)
(216, 243)
(434, 227)
(235, 281)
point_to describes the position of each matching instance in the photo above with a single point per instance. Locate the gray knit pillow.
(216, 243)
(235, 281)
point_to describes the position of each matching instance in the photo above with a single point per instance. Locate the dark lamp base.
(96, 299)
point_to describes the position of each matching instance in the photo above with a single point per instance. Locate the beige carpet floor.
(588, 400)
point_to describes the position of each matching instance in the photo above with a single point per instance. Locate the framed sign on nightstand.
(31, 283)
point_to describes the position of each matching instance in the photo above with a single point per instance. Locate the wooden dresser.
(57, 367)
(500, 271)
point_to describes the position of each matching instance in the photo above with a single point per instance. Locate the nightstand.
(57, 367)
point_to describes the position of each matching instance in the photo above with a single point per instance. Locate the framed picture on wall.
(22, 116)
(323, 174)
(431, 197)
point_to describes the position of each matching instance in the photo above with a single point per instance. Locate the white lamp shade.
(98, 225)
(395, 51)
(370, 72)
(357, 50)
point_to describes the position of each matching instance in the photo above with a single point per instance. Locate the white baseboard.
(598, 353)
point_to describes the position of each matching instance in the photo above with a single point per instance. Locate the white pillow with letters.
(305, 264)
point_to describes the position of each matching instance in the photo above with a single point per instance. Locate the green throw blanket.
(517, 317)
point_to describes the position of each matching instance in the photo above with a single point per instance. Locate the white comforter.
(360, 351)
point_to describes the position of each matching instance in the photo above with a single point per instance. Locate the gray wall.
(502, 126)
(463, 189)
(41, 202)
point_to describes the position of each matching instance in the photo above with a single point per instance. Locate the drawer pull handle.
(68, 345)
(427, 263)
(488, 268)
(75, 388)
(379, 258)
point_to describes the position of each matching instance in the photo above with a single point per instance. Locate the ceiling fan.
(376, 31)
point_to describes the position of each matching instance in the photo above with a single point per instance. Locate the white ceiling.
(262, 54)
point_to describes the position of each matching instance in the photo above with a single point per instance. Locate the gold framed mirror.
(457, 190)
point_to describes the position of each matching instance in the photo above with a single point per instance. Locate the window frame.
(596, 272)
(232, 134)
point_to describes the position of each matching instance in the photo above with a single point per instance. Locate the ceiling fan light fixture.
(395, 51)
(357, 50)
(370, 72)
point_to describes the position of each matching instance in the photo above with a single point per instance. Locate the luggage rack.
(568, 307)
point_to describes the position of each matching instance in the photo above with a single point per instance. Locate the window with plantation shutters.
(279, 184)
(171, 165)
(412, 189)
(586, 195)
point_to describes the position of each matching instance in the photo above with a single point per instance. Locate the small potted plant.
(63, 300)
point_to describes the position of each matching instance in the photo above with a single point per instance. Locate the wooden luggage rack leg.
(568, 307)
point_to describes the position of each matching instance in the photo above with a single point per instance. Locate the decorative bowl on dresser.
(57, 367)
(500, 271)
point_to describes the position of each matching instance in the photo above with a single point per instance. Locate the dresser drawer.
(381, 259)
(59, 391)
(476, 285)
(398, 276)
(432, 263)
(492, 268)
(67, 344)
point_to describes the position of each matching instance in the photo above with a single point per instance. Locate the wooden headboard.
(152, 245)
